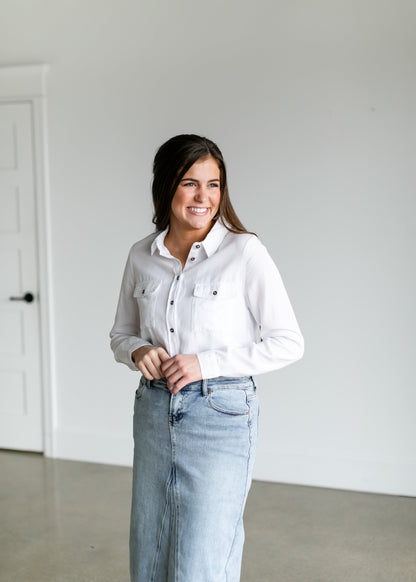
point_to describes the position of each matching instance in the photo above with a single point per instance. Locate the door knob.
(28, 297)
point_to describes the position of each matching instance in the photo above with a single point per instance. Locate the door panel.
(20, 373)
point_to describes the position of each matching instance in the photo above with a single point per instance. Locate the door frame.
(27, 84)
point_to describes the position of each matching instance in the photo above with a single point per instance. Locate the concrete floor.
(64, 521)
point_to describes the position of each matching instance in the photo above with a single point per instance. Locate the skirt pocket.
(232, 402)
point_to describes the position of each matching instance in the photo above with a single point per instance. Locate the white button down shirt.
(228, 305)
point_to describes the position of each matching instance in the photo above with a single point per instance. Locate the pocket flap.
(214, 290)
(145, 288)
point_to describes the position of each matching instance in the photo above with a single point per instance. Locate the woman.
(193, 298)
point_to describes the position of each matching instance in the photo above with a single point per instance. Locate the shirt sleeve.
(125, 331)
(281, 341)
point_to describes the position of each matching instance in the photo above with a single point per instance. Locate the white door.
(20, 372)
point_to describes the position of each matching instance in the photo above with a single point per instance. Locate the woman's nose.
(200, 194)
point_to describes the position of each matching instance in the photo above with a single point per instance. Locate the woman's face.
(197, 198)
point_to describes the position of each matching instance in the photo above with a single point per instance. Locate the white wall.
(313, 105)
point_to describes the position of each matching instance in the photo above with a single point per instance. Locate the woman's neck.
(179, 241)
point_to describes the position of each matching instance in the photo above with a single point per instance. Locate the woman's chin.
(199, 223)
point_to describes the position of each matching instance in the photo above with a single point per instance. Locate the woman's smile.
(197, 210)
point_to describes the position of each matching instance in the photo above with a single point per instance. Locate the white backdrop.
(313, 105)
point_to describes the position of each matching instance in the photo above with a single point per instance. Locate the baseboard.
(387, 476)
(314, 469)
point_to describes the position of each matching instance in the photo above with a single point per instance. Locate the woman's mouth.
(197, 210)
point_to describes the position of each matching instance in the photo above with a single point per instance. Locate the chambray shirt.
(228, 305)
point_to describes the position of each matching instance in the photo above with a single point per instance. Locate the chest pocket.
(213, 307)
(146, 293)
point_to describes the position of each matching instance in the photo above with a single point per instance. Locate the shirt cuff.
(208, 364)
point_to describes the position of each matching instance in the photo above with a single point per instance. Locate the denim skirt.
(193, 460)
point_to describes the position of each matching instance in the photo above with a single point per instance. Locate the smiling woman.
(193, 298)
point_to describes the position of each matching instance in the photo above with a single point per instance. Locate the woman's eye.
(189, 184)
(214, 185)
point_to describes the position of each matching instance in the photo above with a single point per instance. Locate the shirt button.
(192, 258)
(171, 330)
(214, 292)
(171, 302)
(197, 246)
(178, 277)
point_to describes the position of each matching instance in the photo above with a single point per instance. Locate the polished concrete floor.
(63, 521)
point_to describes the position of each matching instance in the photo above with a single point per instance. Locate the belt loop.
(204, 387)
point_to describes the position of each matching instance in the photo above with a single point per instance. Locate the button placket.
(195, 250)
(171, 310)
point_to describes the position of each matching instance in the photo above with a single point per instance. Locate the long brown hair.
(172, 160)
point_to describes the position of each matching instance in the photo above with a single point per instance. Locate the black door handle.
(28, 297)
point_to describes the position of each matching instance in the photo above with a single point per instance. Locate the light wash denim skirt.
(193, 460)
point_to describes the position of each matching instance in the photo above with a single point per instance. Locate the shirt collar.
(214, 238)
(158, 241)
(210, 244)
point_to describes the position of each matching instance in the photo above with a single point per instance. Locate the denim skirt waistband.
(209, 385)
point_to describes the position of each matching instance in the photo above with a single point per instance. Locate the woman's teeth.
(198, 210)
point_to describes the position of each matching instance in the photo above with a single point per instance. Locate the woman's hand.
(149, 361)
(181, 370)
